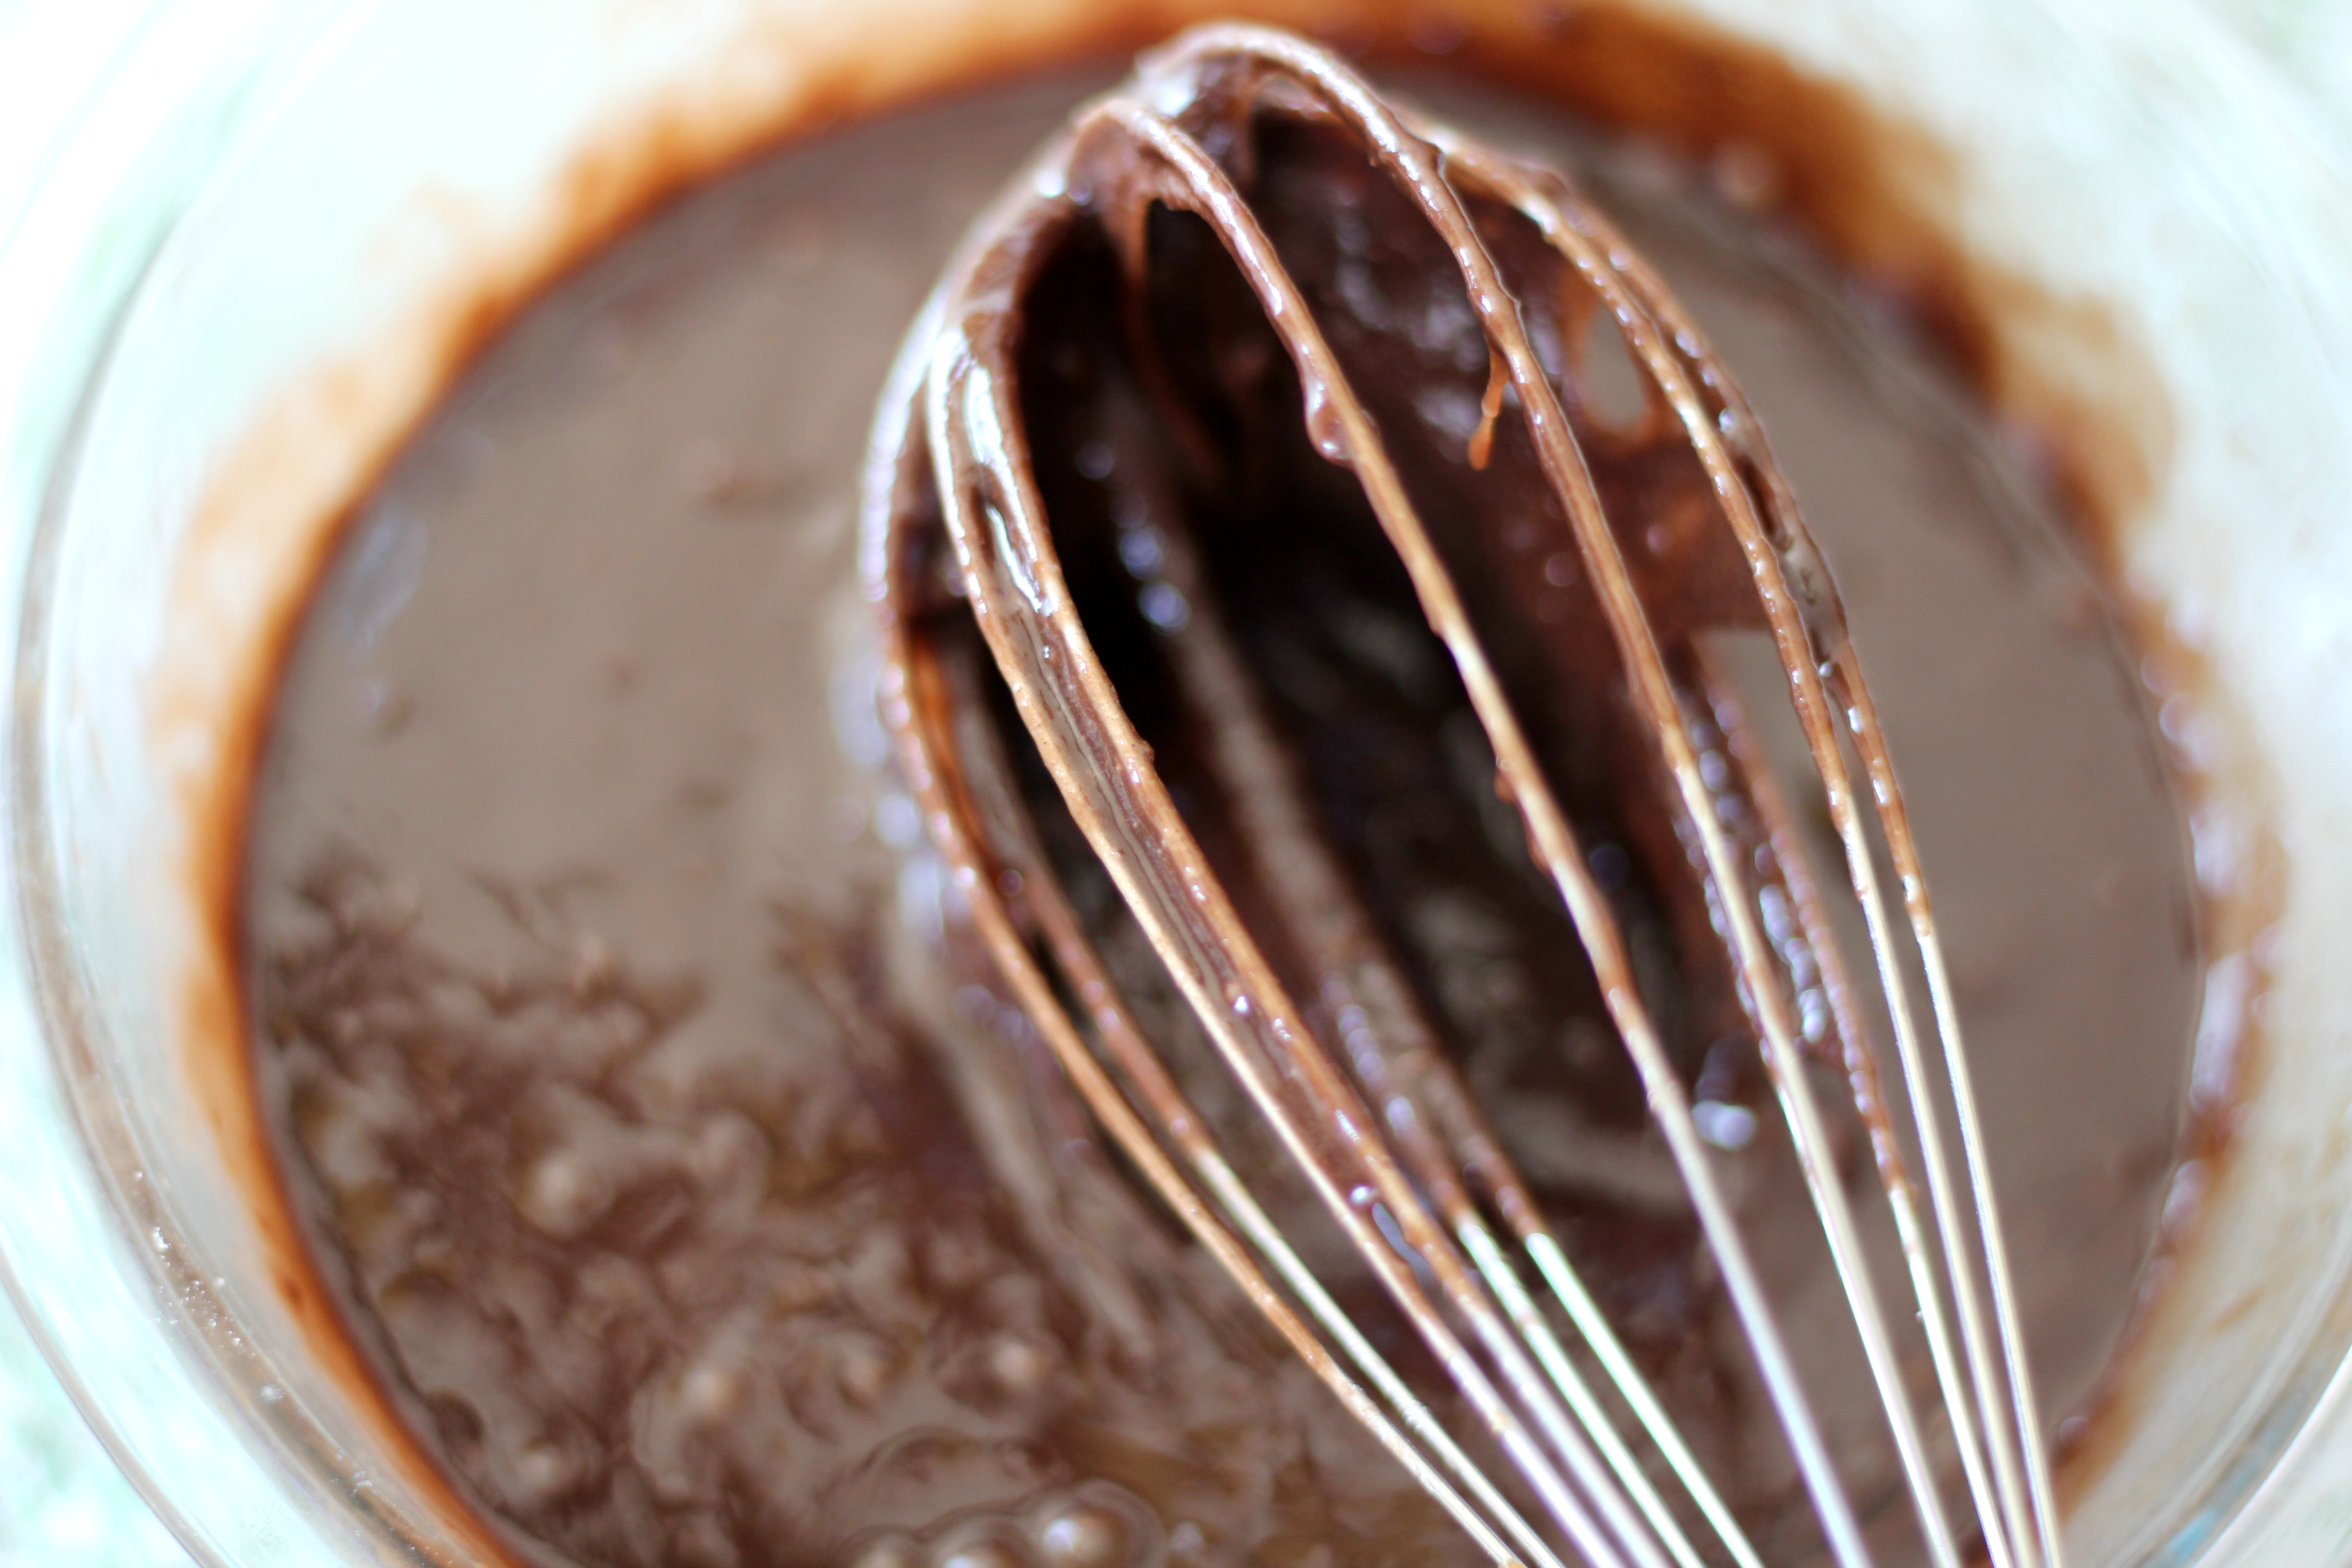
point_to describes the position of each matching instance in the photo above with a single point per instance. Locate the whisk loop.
(1369, 1111)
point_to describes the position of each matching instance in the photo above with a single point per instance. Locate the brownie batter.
(684, 1174)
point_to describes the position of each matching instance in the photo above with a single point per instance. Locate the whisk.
(1669, 525)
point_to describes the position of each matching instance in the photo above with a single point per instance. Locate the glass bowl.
(272, 230)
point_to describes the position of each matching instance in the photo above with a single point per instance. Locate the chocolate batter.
(682, 1173)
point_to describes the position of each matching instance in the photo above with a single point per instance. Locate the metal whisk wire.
(952, 463)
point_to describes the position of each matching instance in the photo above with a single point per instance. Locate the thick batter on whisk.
(684, 1174)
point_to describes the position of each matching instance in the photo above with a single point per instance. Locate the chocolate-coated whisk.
(1377, 1120)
